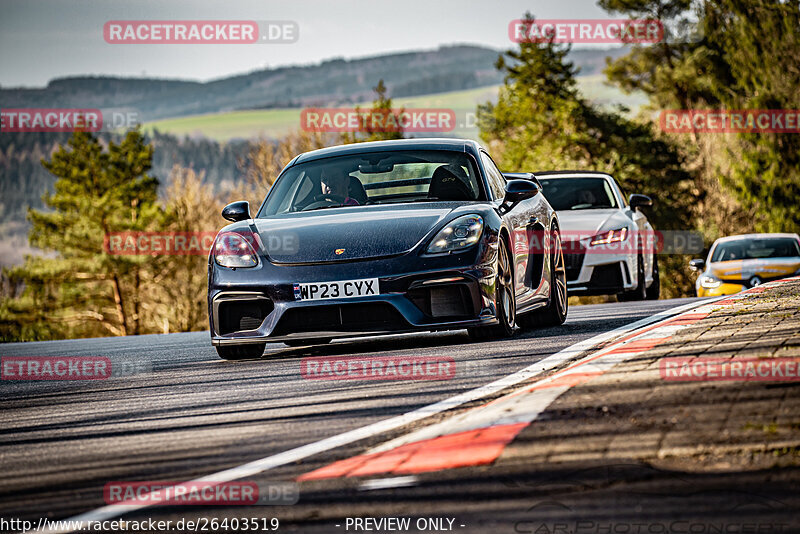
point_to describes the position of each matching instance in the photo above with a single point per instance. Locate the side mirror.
(697, 264)
(236, 211)
(522, 176)
(639, 201)
(519, 190)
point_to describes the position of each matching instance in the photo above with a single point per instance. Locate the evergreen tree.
(78, 286)
(745, 56)
(382, 108)
(541, 122)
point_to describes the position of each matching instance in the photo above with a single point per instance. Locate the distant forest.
(23, 180)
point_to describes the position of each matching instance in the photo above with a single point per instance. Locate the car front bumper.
(602, 273)
(417, 293)
(721, 290)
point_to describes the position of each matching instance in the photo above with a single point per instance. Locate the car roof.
(571, 174)
(433, 143)
(754, 236)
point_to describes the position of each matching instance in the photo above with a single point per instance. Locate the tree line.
(23, 178)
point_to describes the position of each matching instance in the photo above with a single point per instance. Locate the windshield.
(578, 193)
(752, 249)
(375, 178)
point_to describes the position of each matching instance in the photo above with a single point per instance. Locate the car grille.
(366, 317)
(607, 276)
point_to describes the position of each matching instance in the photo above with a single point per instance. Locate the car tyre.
(555, 313)
(640, 292)
(654, 291)
(250, 351)
(505, 301)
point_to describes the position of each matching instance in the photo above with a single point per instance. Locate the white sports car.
(609, 246)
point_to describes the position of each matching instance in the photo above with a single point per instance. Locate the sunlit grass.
(275, 123)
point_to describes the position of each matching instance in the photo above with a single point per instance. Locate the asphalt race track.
(181, 413)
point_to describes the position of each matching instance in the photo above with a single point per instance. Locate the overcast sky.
(45, 39)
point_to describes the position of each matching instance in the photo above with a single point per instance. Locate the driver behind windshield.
(335, 184)
(586, 197)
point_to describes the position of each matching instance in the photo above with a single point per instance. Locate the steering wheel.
(324, 199)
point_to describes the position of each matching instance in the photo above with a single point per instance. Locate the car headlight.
(709, 282)
(234, 250)
(458, 234)
(612, 236)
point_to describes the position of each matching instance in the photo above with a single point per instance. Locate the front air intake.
(439, 302)
(240, 315)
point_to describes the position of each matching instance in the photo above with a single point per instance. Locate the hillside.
(331, 82)
(274, 123)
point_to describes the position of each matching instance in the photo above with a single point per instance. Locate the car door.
(526, 226)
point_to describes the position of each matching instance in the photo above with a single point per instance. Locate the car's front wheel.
(654, 291)
(505, 301)
(250, 351)
(640, 291)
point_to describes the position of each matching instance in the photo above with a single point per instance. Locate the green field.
(275, 123)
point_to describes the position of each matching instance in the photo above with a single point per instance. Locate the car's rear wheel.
(241, 352)
(640, 291)
(505, 302)
(654, 291)
(556, 311)
(304, 342)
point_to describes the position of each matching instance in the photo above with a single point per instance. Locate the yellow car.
(740, 262)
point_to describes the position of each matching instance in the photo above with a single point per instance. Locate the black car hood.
(349, 233)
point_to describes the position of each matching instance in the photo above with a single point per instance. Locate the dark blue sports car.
(386, 237)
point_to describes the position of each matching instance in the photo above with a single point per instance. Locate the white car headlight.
(459, 234)
(234, 250)
(709, 282)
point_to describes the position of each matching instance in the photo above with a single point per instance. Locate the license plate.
(346, 289)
